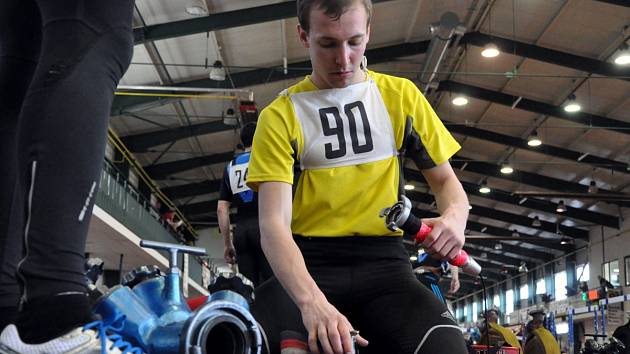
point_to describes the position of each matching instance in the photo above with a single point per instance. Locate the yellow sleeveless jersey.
(345, 141)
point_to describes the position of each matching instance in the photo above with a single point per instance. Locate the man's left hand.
(446, 238)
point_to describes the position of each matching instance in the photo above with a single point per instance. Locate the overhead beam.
(219, 21)
(164, 170)
(490, 230)
(623, 3)
(506, 217)
(199, 208)
(506, 247)
(529, 178)
(254, 77)
(545, 149)
(530, 203)
(123, 104)
(588, 119)
(509, 261)
(510, 46)
(143, 141)
(192, 189)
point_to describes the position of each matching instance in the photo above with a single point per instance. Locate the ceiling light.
(571, 105)
(592, 187)
(409, 187)
(498, 246)
(561, 208)
(484, 255)
(460, 100)
(623, 56)
(469, 206)
(217, 72)
(506, 169)
(490, 50)
(566, 241)
(536, 222)
(515, 233)
(483, 188)
(413, 258)
(534, 140)
(197, 8)
(522, 268)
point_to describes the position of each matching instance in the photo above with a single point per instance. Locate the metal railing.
(123, 202)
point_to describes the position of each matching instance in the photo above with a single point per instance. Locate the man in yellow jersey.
(338, 268)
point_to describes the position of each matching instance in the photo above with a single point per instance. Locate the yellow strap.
(507, 334)
(550, 343)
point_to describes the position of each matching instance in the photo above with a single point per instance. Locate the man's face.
(336, 47)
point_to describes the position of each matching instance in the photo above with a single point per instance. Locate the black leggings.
(251, 259)
(60, 62)
(371, 282)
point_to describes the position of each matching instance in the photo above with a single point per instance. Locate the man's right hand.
(229, 254)
(328, 326)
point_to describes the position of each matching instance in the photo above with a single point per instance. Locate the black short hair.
(332, 8)
(247, 134)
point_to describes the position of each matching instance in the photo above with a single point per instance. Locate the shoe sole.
(6, 350)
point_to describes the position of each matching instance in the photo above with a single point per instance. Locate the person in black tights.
(60, 62)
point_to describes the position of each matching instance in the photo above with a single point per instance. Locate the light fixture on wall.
(571, 105)
(561, 208)
(229, 117)
(217, 72)
(459, 100)
(534, 139)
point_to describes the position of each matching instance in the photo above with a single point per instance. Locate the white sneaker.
(89, 339)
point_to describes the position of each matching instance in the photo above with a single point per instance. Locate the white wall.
(212, 241)
(616, 246)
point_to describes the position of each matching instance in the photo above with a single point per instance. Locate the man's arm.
(223, 214)
(447, 237)
(320, 318)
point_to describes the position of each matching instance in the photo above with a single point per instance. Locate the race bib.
(344, 127)
(238, 175)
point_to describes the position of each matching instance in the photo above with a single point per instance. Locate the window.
(457, 313)
(509, 302)
(582, 273)
(524, 292)
(562, 327)
(626, 261)
(474, 314)
(540, 287)
(560, 282)
(496, 301)
(610, 271)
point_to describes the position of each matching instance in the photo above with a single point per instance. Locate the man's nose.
(343, 56)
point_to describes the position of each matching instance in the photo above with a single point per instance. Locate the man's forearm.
(452, 200)
(223, 215)
(288, 265)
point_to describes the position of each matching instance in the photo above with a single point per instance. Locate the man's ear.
(303, 35)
